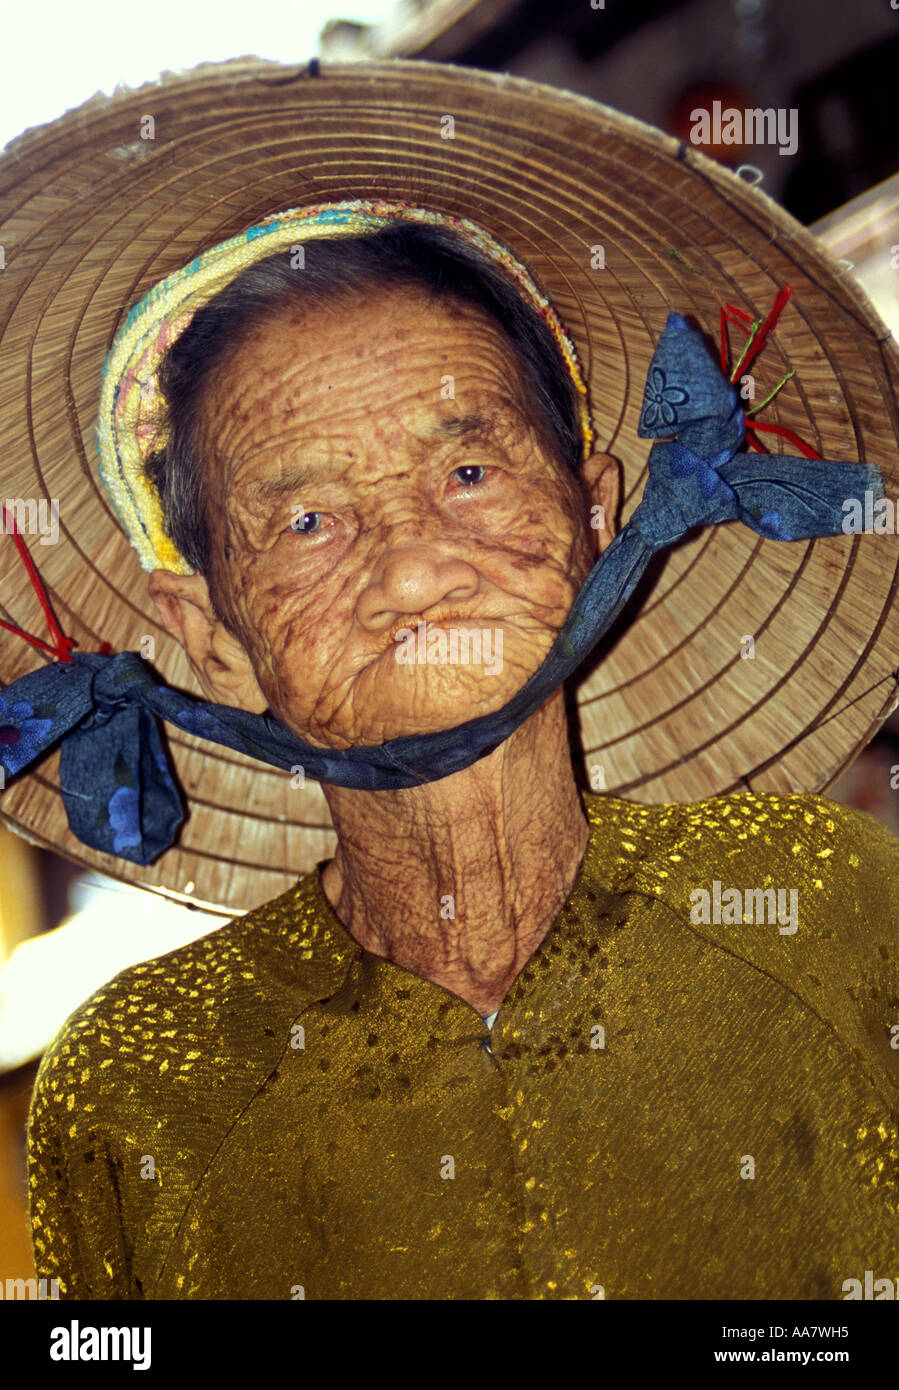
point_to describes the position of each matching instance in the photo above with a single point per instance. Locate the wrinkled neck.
(460, 879)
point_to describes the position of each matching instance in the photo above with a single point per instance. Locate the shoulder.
(842, 863)
(799, 887)
(178, 1021)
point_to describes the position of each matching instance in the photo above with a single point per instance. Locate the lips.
(411, 622)
(435, 620)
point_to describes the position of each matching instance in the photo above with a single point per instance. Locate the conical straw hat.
(618, 224)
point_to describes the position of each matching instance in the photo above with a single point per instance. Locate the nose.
(411, 580)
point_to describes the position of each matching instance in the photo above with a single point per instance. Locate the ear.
(601, 474)
(219, 662)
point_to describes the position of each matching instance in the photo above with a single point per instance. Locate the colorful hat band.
(132, 420)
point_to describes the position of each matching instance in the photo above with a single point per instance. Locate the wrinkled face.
(375, 469)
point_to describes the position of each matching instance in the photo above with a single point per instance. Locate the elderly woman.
(487, 1050)
(332, 502)
(514, 1040)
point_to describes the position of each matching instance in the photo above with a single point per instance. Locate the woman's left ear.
(601, 475)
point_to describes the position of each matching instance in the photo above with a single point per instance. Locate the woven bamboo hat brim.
(94, 215)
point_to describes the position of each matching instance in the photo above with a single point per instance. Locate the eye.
(470, 468)
(299, 526)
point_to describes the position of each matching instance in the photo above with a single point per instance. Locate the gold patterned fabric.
(664, 1108)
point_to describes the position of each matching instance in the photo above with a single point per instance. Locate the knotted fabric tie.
(117, 782)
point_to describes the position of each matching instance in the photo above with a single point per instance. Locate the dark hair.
(433, 259)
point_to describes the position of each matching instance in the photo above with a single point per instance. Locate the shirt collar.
(317, 954)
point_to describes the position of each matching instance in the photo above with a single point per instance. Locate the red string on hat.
(62, 644)
(758, 336)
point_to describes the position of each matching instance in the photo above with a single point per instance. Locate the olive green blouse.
(680, 1097)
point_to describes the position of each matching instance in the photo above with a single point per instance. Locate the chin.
(389, 699)
(431, 699)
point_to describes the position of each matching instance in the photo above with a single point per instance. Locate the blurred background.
(64, 931)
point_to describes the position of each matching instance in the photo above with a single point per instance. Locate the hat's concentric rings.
(618, 225)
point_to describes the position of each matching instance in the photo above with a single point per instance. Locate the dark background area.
(834, 62)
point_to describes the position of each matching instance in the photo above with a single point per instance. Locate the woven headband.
(132, 421)
(117, 782)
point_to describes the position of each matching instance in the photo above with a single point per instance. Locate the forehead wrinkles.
(264, 399)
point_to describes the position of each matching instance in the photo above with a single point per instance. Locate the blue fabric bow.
(117, 782)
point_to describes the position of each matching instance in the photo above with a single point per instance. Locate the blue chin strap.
(117, 781)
